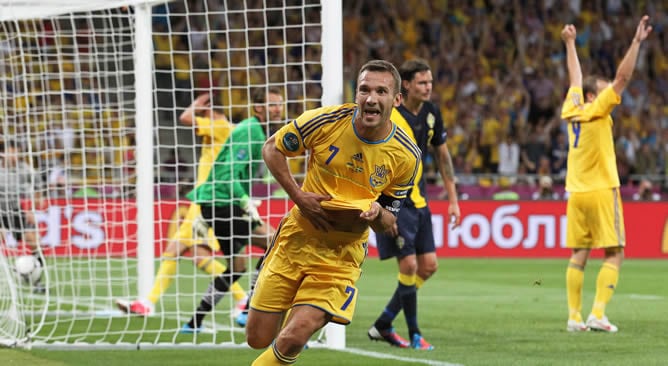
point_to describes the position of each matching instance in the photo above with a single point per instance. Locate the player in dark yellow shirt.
(594, 212)
(359, 171)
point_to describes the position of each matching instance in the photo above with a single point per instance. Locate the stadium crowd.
(500, 79)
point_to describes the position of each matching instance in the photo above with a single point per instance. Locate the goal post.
(91, 92)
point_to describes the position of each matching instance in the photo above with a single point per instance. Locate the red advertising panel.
(488, 229)
(538, 229)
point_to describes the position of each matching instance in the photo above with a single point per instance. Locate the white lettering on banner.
(534, 223)
(10, 240)
(53, 222)
(504, 216)
(437, 229)
(87, 232)
(87, 223)
(562, 231)
(464, 232)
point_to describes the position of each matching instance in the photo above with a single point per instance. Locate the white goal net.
(91, 95)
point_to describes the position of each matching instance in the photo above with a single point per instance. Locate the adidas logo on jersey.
(353, 166)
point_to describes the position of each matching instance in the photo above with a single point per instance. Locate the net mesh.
(68, 106)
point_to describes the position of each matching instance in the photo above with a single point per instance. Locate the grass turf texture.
(474, 311)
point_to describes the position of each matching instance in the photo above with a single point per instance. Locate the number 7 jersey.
(352, 170)
(592, 163)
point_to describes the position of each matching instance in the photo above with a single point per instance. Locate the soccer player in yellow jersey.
(359, 171)
(594, 211)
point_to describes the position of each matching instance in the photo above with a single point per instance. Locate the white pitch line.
(645, 297)
(361, 352)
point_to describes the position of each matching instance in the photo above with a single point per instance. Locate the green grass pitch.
(474, 311)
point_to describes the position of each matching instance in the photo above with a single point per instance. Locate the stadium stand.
(499, 77)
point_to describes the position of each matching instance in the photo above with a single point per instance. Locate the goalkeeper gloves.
(200, 228)
(250, 210)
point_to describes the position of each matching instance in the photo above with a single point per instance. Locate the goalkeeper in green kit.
(224, 197)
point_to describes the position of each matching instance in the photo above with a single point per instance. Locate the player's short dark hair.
(589, 84)
(259, 95)
(383, 66)
(408, 69)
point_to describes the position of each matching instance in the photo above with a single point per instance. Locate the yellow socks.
(163, 279)
(214, 268)
(574, 281)
(606, 282)
(419, 281)
(407, 280)
(272, 357)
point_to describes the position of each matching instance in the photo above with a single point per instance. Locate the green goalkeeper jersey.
(234, 168)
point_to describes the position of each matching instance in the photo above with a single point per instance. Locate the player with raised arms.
(595, 219)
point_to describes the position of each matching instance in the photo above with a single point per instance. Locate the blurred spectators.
(500, 71)
(498, 65)
(545, 189)
(646, 192)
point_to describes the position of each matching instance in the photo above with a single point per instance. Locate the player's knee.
(408, 266)
(290, 342)
(257, 337)
(256, 341)
(427, 270)
(614, 255)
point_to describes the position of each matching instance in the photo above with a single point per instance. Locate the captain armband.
(390, 203)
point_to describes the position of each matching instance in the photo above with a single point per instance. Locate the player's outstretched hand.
(568, 33)
(311, 209)
(643, 29)
(455, 215)
(202, 100)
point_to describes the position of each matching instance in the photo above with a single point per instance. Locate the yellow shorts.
(308, 267)
(595, 220)
(187, 234)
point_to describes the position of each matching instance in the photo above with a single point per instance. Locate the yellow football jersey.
(214, 134)
(592, 163)
(352, 170)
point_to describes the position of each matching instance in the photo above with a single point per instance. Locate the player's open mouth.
(372, 112)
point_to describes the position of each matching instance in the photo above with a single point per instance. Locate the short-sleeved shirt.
(235, 166)
(425, 128)
(352, 170)
(592, 163)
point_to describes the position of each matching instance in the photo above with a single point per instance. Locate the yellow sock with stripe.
(214, 268)
(574, 281)
(272, 357)
(606, 283)
(164, 278)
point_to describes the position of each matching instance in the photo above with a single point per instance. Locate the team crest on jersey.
(400, 242)
(291, 142)
(356, 163)
(379, 176)
(431, 120)
(242, 154)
